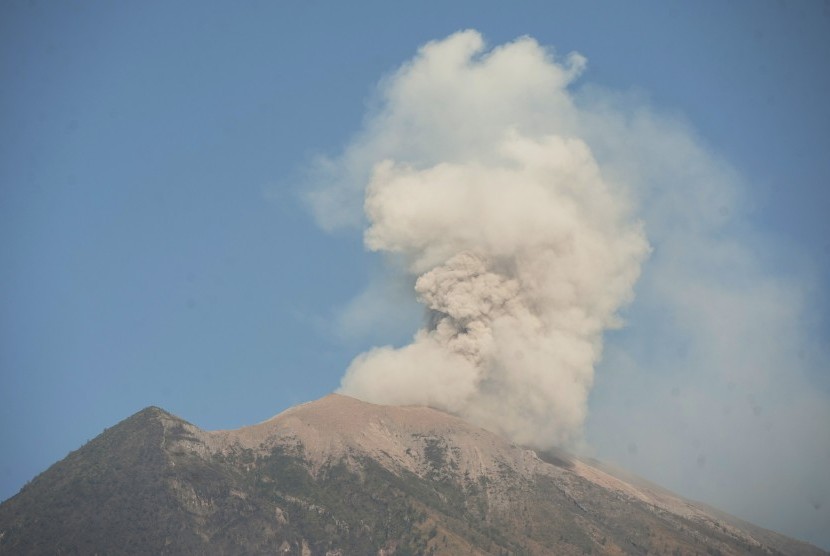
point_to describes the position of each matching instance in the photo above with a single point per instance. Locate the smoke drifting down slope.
(522, 252)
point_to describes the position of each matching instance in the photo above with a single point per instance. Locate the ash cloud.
(521, 251)
(524, 212)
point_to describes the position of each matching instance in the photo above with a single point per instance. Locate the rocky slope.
(340, 476)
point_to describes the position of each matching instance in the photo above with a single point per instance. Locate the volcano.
(339, 476)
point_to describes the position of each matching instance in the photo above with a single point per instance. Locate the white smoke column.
(523, 250)
(523, 253)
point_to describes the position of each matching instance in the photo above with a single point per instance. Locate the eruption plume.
(509, 202)
(521, 251)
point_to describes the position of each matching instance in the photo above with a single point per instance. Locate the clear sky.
(156, 247)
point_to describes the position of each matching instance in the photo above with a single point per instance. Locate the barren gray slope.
(343, 475)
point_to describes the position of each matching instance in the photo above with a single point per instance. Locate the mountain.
(343, 477)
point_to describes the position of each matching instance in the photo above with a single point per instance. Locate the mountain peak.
(153, 411)
(338, 427)
(343, 476)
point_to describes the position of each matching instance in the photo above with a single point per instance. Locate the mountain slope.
(340, 476)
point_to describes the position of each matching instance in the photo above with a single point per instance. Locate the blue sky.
(155, 245)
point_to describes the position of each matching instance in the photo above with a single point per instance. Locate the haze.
(202, 209)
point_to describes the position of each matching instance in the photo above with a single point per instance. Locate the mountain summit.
(339, 477)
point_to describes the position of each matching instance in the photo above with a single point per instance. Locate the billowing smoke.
(522, 251)
(506, 198)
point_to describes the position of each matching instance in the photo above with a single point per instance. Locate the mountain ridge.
(339, 474)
